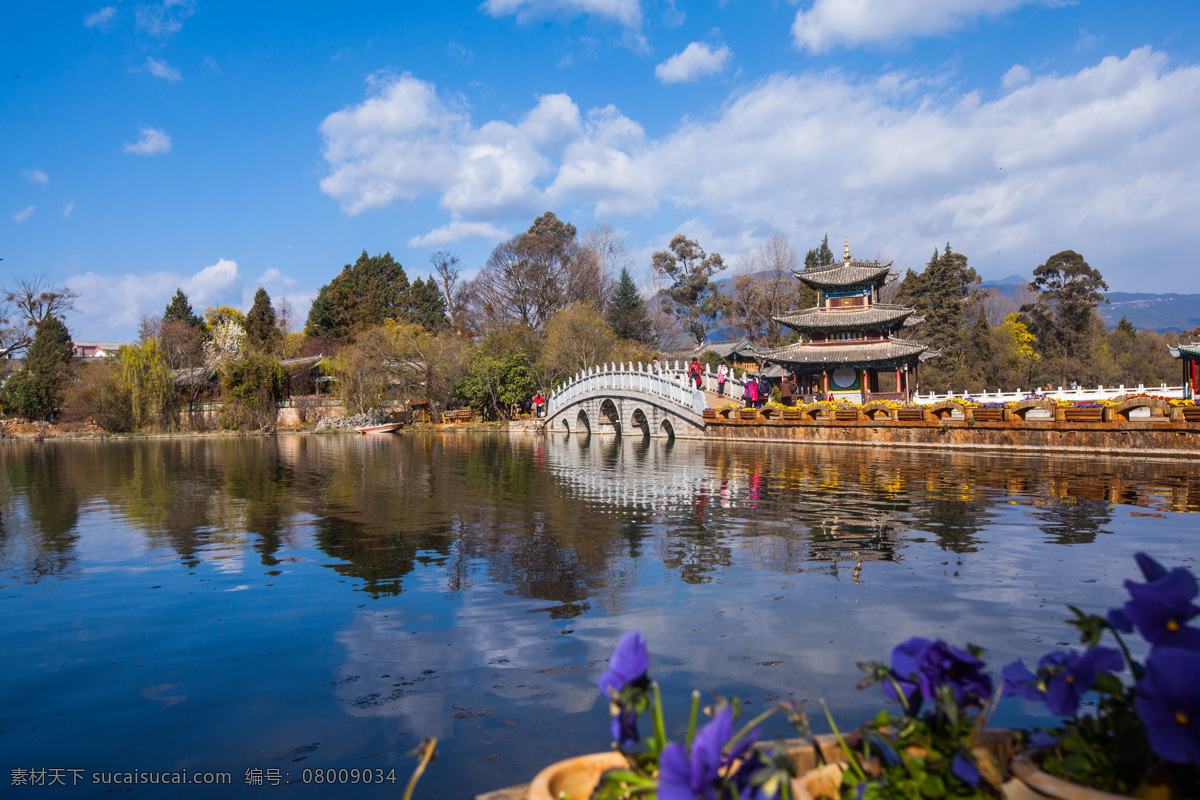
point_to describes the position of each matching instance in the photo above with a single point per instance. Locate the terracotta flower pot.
(1030, 783)
(576, 777)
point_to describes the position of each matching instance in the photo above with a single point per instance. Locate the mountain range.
(1164, 313)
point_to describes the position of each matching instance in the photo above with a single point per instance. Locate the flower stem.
(660, 728)
(862, 776)
(692, 720)
(427, 749)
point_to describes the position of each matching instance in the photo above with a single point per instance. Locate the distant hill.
(1158, 312)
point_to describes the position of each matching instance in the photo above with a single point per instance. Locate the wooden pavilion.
(852, 352)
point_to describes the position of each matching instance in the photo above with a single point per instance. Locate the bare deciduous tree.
(26, 305)
(764, 288)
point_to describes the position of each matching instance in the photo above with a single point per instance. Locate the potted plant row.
(1127, 728)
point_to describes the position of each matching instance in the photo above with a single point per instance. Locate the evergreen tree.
(261, 333)
(819, 256)
(425, 304)
(627, 312)
(362, 295)
(948, 282)
(697, 300)
(180, 310)
(1064, 315)
(37, 391)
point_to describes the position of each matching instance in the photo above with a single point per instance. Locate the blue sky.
(220, 147)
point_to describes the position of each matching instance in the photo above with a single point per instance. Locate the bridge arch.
(620, 399)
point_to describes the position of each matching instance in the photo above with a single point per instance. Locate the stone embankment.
(374, 416)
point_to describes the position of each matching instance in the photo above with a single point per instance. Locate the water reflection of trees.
(556, 520)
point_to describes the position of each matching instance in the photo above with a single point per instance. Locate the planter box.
(1083, 414)
(1190, 413)
(846, 415)
(910, 414)
(794, 415)
(710, 415)
(988, 414)
(749, 414)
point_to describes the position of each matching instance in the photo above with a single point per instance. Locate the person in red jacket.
(538, 402)
(694, 372)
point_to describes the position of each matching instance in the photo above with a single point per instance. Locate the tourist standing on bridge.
(722, 374)
(656, 367)
(695, 371)
(750, 391)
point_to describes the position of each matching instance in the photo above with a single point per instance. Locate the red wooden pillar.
(898, 380)
(825, 381)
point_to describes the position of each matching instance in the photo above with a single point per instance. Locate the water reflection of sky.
(326, 601)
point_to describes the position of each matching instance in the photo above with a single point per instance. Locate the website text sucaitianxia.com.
(67, 776)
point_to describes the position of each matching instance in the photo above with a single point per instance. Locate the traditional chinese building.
(1189, 357)
(852, 351)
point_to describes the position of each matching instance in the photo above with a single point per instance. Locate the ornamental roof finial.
(847, 248)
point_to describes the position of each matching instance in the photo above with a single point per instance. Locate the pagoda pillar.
(824, 381)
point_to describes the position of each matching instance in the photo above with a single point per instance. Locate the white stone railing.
(1079, 394)
(669, 385)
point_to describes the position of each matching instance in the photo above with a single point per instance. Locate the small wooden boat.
(387, 427)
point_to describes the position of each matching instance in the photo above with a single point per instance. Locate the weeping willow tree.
(147, 381)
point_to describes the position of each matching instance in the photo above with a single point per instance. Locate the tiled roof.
(1179, 350)
(833, 319)
(844, 273)
(845, 352)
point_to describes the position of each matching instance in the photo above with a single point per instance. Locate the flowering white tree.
(227, 344)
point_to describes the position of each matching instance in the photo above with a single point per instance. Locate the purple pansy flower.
(1020, 681)
(1168, 702)
(624, 727)
(1072, 675)
(694, 776)
(965, 770)
(920, 667)
(628, 666)
(1161, 606)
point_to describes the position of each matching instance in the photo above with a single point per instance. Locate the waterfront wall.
(1153, 436)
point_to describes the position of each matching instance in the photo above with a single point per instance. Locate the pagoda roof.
(845, 273)
(846, 352)
(1181, 350)
(820, 318)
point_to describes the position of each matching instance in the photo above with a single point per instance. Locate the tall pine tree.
(261, 333)
(627, 312)
(180, 310)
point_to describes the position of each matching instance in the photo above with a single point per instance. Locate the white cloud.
(100, 19)
(165, 19)
(1103, 159)
(24, 214)
(830, 23)
(35, 176)
(68, 208)
(458, 231)
(160, 69)
(626, 12)
(153, 142)
(1017, 75)
(212, 284)
(696, 60)
(111, 306)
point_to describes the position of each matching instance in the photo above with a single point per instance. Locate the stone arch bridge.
(627, 400)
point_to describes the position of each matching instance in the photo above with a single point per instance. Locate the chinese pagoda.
(852, 352)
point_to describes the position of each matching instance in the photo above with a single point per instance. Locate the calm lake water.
(314, 602)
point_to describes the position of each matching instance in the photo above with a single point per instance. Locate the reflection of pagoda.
(851, 351)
